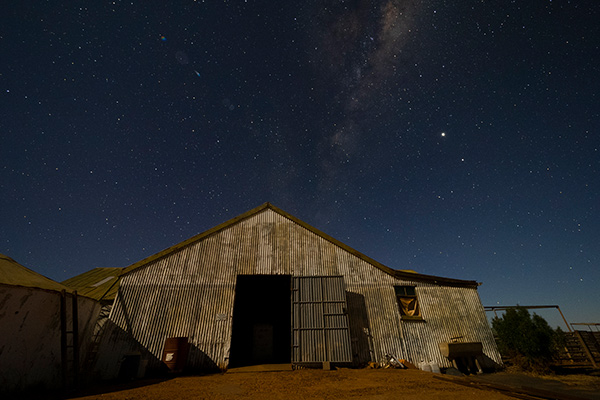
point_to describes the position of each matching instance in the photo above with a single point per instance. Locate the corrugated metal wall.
(191, 292)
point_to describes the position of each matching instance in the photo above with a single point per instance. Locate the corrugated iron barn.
(45, 330)
(266, 287)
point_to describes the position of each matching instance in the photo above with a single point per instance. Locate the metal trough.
(456, 350)
(464, 355)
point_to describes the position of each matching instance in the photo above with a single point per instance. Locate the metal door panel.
(319, 322)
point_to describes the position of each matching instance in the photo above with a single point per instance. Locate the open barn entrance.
(261, 320)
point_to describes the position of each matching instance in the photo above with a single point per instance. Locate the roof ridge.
(399, 274)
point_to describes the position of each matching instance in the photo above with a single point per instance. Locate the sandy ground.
(303, 384)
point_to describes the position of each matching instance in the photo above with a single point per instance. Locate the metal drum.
(175, 353)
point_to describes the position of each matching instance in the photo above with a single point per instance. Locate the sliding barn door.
(319, 322)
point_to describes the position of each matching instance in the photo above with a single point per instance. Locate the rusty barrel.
(175, 353)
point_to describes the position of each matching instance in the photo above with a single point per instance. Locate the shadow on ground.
(568, 383)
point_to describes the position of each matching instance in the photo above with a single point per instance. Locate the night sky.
(453, 138)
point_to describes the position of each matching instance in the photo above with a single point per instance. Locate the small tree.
(528, 340)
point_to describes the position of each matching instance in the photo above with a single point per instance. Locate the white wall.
(30, 352)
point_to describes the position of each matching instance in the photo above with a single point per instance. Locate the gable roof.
(14, 274)
(99, 283)
(399, 274)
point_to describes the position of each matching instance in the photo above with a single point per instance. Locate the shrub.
(527, 340)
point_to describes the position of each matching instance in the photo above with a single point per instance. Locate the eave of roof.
(402, 275)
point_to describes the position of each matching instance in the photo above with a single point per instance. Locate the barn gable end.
(189, 290)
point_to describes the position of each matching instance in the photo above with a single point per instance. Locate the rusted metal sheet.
(190, 292)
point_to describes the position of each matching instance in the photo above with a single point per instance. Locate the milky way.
(357, 49)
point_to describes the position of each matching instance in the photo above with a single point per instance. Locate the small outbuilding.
(45, 330)
(266, 287)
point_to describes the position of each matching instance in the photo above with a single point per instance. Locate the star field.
(458, 139)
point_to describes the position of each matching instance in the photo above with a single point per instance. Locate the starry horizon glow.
(458, 139)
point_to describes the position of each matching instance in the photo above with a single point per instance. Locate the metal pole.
(63, 337)
(564, 319)
(501, 308)
(75, 323)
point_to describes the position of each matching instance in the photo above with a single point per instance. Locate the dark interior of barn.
(261, 320)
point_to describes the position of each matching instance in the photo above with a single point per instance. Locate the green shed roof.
(99, 283)
(14, 274)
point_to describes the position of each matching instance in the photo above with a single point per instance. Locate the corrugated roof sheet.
(13, 273)
(99, 283)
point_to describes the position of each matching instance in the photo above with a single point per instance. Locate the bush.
(527, 340)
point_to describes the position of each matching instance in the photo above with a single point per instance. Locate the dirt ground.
(569, 385)
(305, 384)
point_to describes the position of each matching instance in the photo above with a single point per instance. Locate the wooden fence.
(582, 347)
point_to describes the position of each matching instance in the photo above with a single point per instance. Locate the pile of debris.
(389, 361)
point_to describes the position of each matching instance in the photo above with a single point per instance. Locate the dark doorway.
(261, 320)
